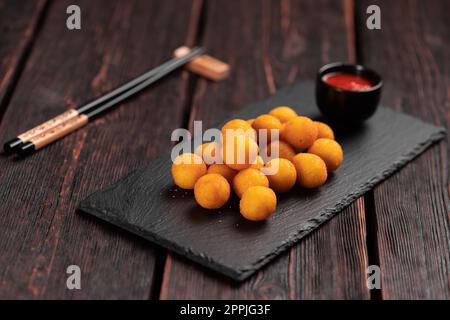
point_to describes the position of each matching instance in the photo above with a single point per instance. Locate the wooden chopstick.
(67, 122)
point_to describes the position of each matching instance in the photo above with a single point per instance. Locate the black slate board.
(148, 204)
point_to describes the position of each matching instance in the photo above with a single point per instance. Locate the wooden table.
(402, 225)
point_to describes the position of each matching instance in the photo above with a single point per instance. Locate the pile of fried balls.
(307, 152)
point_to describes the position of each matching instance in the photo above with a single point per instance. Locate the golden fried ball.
(207, 151)
(330, 151)
(239, 151)
(325, 130)
(268, 123)
(284, 174)
(187, 169)
(238, 126)
(224, 170)
(300, 132)
(283, 113)
(258, 164)
(248, 178)
(285, 151)
(258, 203)
(283, 125)
(212, 191)
(311, 170)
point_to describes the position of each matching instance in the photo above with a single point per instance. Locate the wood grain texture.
(412, 226)
(19, 22)
(41, 232)
(269, 44)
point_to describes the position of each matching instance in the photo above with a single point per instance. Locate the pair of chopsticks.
(69, 121)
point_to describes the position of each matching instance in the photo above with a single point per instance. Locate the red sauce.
(347, 81)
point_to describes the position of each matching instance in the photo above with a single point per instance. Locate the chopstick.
(67, 122)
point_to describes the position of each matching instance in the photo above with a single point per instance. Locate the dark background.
(402, 225)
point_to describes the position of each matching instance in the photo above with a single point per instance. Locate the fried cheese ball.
(283, 113)
(238, 126)
(258, 164)
(311, 170)
(283, 126)
(330, 151)
(300, 132)
(268, 123)
(285, 151)
(281, 174)
(187, 169)
(212, 191)
(284, 174)
(224, 170)
(258, 203)
(239, 151)
(248, 178)
(325, 130)
(207, 151)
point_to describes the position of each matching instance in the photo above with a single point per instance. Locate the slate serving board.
(148, 204)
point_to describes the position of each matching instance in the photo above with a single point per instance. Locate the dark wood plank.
(18, 28)
(412, 226)
(42, 233)
(269, 44)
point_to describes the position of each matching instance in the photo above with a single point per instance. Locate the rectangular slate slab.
(148, 204)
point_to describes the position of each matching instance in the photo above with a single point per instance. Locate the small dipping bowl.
(349, 105)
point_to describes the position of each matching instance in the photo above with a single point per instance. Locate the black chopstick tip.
(12, 145)
(26, 149)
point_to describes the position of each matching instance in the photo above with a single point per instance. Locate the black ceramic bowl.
(345, 105)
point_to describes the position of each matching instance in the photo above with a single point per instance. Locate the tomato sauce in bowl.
(347, 93)
(347, 81)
